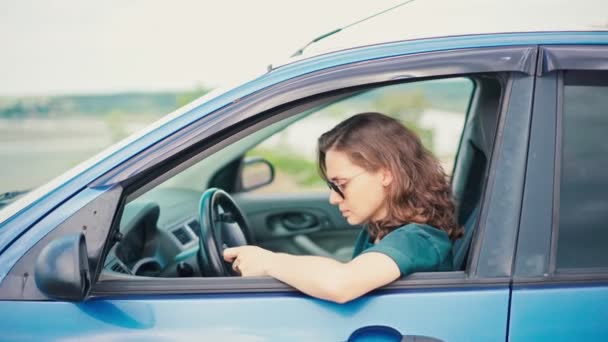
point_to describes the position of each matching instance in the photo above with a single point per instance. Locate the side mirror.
(255, 173)
(62, 269)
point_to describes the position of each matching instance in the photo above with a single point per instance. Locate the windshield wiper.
(331, 33)
(7, 197)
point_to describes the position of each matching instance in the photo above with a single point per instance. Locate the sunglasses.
(339, 189)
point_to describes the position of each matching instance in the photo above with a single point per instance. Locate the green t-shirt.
(414, 248)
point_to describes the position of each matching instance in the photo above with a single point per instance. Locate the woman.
(382, 177)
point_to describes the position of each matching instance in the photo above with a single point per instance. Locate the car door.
(303, 225)
(559, 288)
(468, 304)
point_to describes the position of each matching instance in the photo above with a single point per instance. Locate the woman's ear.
(387, 177)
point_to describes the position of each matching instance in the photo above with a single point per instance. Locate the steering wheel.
(222, 225)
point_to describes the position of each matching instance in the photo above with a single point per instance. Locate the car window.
(167, 215)
(583, 198)
(160, 232)
(434, 109)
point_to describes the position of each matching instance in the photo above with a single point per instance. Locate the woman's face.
(364, 191)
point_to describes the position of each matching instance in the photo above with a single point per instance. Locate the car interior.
(179, 227)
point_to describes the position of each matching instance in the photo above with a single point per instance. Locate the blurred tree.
(184, 98)
(116, 124)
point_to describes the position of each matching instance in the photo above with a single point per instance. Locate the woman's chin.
(353, 221)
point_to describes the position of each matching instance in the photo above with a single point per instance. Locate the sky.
(114, 45)
(82, 47)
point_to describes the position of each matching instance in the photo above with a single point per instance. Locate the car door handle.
(297, 221)
(387, 334)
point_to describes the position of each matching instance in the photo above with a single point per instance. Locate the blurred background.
(77, 76)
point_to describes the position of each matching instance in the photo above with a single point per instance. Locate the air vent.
(182, 235)
(118, 268)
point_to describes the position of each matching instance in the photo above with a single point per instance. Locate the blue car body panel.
(573, 313)
(437, 314)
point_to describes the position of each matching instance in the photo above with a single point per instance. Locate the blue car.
(128, 245)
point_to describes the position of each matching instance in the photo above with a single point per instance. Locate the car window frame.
(538, 234)
(137, 171)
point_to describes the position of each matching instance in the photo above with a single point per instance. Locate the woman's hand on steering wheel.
(249, 261)
(222, 225)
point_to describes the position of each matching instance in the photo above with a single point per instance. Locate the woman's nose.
(334, 197)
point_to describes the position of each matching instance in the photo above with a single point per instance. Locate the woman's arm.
(317, 276)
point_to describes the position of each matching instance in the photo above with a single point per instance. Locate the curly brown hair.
(420, 191)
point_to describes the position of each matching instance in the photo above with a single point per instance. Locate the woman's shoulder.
(416, 248)
(416, 228)
(432, 234)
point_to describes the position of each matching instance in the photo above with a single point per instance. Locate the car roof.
(417, 19)
(457, 42)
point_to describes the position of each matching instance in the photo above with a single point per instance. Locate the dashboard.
(158, 238)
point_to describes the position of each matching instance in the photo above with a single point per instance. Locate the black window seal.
(564, 278)
(572, 57)
(259, 285)
(557, 172)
